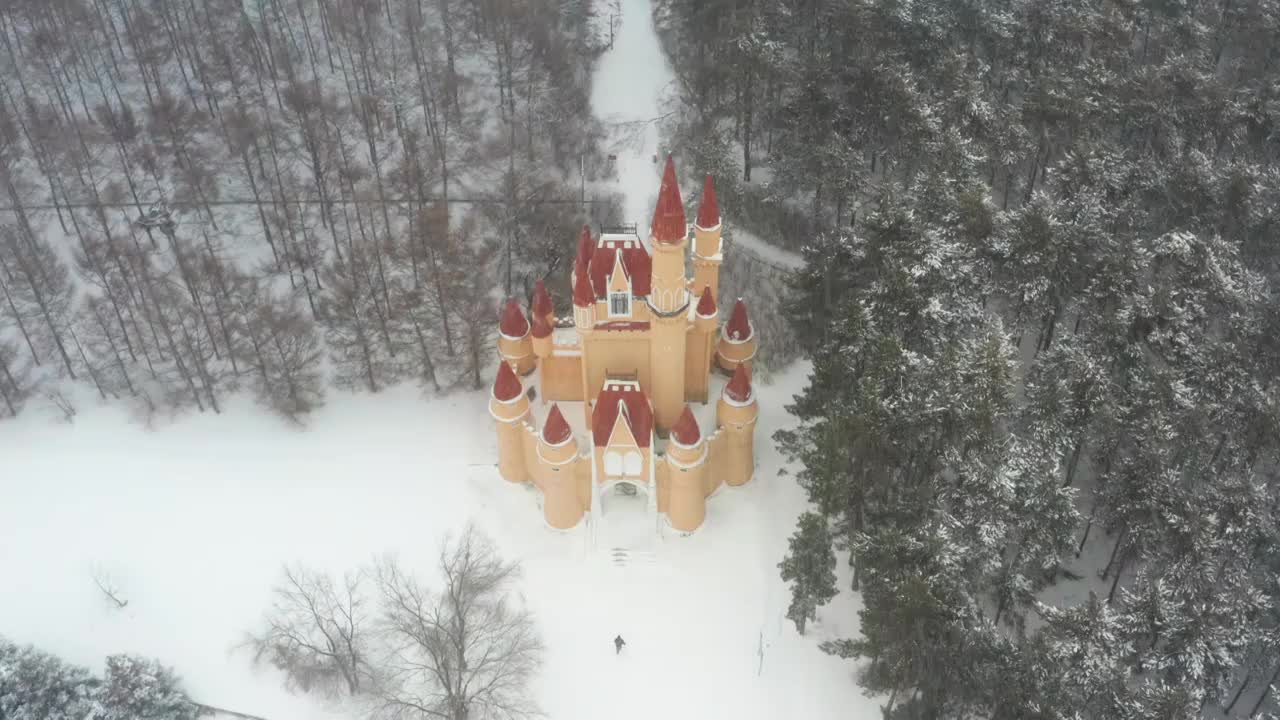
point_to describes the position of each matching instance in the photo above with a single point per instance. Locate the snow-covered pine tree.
(810, 568)
(35, 685)
(137, 688)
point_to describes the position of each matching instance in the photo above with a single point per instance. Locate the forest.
(1040, 295)
(281, 195)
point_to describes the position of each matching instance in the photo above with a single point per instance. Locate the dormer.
(620, 289)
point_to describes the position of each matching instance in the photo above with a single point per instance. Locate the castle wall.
(616, 352)
(562, 378)
(662, 476)
(697, 377)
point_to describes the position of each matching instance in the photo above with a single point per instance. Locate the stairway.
(622, 557)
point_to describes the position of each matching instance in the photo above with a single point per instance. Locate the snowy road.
(627, 93)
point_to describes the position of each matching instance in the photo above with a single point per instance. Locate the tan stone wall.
(511, 454)
(667, 357)
(562, 378)
(687, 496)
(566, 488)
(698, 352)
(616, 351)
(662, 476)
(706, 273)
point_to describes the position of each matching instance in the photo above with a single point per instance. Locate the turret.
(701, 347)
(509, 407)
(514, 342)
(708, 247)
(584, 300)
(669, 301)
(540, 332)
(736, 413)
(557, 454)
(687, 462)
(542, 305)
(737, 345)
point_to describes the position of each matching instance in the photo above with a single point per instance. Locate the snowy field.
(193, 520)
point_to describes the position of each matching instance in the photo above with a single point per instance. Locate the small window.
(619, 305)
(612, 463)
(633, 463)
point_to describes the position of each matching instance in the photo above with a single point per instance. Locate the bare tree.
(281, 347)
(110, 591)
(15, 383)
(465, 652)
(315, 632)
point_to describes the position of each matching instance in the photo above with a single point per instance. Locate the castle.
(641, 346)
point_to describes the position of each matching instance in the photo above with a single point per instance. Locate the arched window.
(633, 464)
(612, 463)
(619, 304)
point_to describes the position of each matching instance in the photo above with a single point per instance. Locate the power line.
(49, 205)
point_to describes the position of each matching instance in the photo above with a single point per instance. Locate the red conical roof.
(585, 244)
(708, 209)
(668, 216)
(738, 327)
(507, 387)
(583, 295)
(739, 387)
(539, 326)
(706, 303)
(514, 324)
(555, 430)
(686, 430)
(542, 304)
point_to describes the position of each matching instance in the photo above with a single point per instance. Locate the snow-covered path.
(627, 93)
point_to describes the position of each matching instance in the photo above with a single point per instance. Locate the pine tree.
(35, 685)
(136, 687)
(810, 568)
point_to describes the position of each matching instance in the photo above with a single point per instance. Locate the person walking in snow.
(618, 642)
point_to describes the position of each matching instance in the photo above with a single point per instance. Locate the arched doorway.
(628, 520)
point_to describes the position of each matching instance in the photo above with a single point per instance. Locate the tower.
(542, 306)
(687, 464)
(736, 413)
(509, 407)
(702, 347)
(669, 301)
(513, 339)
(737, 344)
(708, 247)
(557, 455)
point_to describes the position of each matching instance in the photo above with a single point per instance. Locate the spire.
(583, 294)
(739, 387)
(708, 209)
(685, 431)
(555, 431)
(539, 326)
(668, 216)
(585, 244)
(513, 324)
(542, 304)
(706, 303)
(738, 327)
(507, 386)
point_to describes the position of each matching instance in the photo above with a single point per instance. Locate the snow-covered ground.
(193, 519)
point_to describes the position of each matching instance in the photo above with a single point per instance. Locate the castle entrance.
(627, 521)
